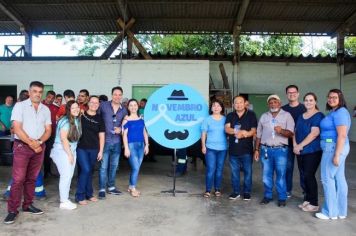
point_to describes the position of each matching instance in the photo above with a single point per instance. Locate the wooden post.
(131, 36)
(224, 76)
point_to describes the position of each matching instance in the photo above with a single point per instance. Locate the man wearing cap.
(295, 108)
(273, 130)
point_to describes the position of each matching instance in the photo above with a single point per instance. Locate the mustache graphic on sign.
(176, 134)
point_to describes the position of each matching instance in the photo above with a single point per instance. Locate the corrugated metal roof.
(179, 16)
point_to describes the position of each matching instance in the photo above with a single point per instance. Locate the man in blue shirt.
(295, 108)
(112, 113)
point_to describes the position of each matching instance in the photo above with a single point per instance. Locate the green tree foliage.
(87, 45)
(350, 46)
(196, 44)
(187, 44)
(282, 45)
(330, 47)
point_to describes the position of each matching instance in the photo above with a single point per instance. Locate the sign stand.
(174, 191)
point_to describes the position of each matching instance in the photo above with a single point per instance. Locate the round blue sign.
(173, 115)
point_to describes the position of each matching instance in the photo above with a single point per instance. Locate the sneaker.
(247, 197)
(234, 196)
(114, 192)
(304, 204)
(10, 218)
(310, 208)
(68, 205)
(321, 216)
(265, 201)
(289, 194)
(101, 195)
(33, 210)
(342, 217)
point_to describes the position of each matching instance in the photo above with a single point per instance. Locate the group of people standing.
(84, 131)
(281, 134)
(90, 129)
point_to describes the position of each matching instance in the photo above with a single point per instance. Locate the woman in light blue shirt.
(63, 152)
(214, 147)
(335, 146)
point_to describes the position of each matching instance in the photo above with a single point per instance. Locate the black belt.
(278, 146)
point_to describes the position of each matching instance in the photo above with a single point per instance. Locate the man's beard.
(273, 110)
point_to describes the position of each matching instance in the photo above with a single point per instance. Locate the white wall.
(254, 77)
(349, 90)
(100, 76)
(273, 77)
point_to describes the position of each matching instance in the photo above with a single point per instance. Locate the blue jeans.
(274, 160)
(333, 180)
(39, 188)
(135, 160)
(214, 168)
(86, 159)
(236, 163)
(109, 164)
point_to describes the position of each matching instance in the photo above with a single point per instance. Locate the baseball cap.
(273, 96)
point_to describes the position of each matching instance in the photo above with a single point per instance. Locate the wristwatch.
(40, 141)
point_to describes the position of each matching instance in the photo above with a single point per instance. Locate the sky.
(48, 45)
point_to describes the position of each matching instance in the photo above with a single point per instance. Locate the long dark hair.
(314, 96)
(74, 132)
(342, 102)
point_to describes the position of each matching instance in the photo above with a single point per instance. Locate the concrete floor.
(155, 213)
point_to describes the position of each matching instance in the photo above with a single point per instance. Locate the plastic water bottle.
(237, 129)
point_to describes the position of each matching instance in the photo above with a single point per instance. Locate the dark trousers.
(181, 161)
(26, 166)
(47, 159)
(310, 163)
(86, 159)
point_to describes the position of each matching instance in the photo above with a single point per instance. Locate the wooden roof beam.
(15, 16)
(242, 12)
(237, 29)
(344, 27)
(117, 40)
(124, 11)
(131, 36)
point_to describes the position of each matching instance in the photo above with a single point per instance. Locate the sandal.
(83, 203)
(93, 199)
(134, 192)
(217, 193)
(206, 194)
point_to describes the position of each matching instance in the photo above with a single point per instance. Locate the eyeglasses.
(333, 97)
